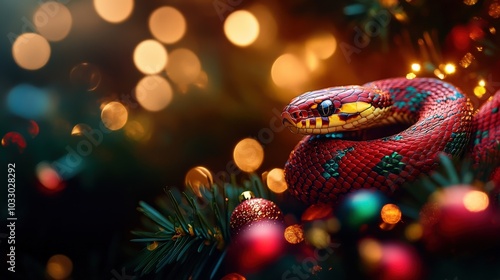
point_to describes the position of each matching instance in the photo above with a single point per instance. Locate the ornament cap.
(246, 195)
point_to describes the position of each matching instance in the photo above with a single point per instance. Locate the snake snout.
(289, 121)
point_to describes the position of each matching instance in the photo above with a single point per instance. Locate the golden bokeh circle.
(199, 177)
(294, 234)
(167, 24)
(241, 28)
(114, 115)
(31, 51)
(276, 180)
(53, 20)
(248, 155)
(114, 11)
(150, 57)
(390, 214)
(59, 267)
(153, 93)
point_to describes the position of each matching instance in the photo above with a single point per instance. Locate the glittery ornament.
(251, 210)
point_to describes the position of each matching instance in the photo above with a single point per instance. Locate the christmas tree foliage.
(190, 233)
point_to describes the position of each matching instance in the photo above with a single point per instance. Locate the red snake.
(345, 150)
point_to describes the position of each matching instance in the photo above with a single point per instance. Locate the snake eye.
(326, 108)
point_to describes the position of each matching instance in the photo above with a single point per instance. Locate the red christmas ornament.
(251, 210)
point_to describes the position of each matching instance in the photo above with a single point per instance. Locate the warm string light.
(294, 234)
(53, 21)
(153, 93)
(167, 24)
(150, 57)
(183, 67)
(114, 115)
(390, 214)
(197, 178)
(241, 28)
(276, 180)
(59, 267)
(248, 155)
(114, 11)
(86, 75)
(480, 89)
(31, 51)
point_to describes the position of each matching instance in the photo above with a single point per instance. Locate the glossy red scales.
(340, 155)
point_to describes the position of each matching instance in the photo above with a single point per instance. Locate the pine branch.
(191, 237)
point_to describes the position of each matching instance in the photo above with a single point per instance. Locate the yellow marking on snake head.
(355, 107)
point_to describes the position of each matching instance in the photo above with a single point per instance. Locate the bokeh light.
(114, 11)
(150, 57)
(48, 177)
(59, 267)
(476, 201)
(322, 45)
(80, 129)
(248, 155)
(33, 128)
(233, 276)
(114, 115)
(199, 177)
(479, 91)
(261, 243)
(153, 93)
(266, 18)
(316, 212)
(413, 232)
(494, 9)
(183, 66)
(294, 234)
(370, 251)
(288, 71)
(470, 2)
(415, 67)
(152, 246)
(361, 207)
(167, 24)
(466, 60)
(15, 139)
(276, 180)
(390, 214)
(29, 102)
(449, 68)
(53, 20)
(400, 261)
(139, 128)
(410, 76)
(86, 75)
(31, 51)
(318, 237)
(241, 28)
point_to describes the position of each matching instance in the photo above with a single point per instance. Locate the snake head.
(335, 109)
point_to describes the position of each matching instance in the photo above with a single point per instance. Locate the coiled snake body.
(337, 157)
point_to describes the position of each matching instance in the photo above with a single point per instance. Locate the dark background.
(90, 218)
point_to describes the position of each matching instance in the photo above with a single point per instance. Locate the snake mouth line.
(288, 123)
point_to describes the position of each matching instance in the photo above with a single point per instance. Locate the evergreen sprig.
(189, 235)
(451, 172)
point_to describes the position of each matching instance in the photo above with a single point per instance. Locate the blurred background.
(106, 103)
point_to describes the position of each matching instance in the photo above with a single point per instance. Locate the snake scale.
(339, 154)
